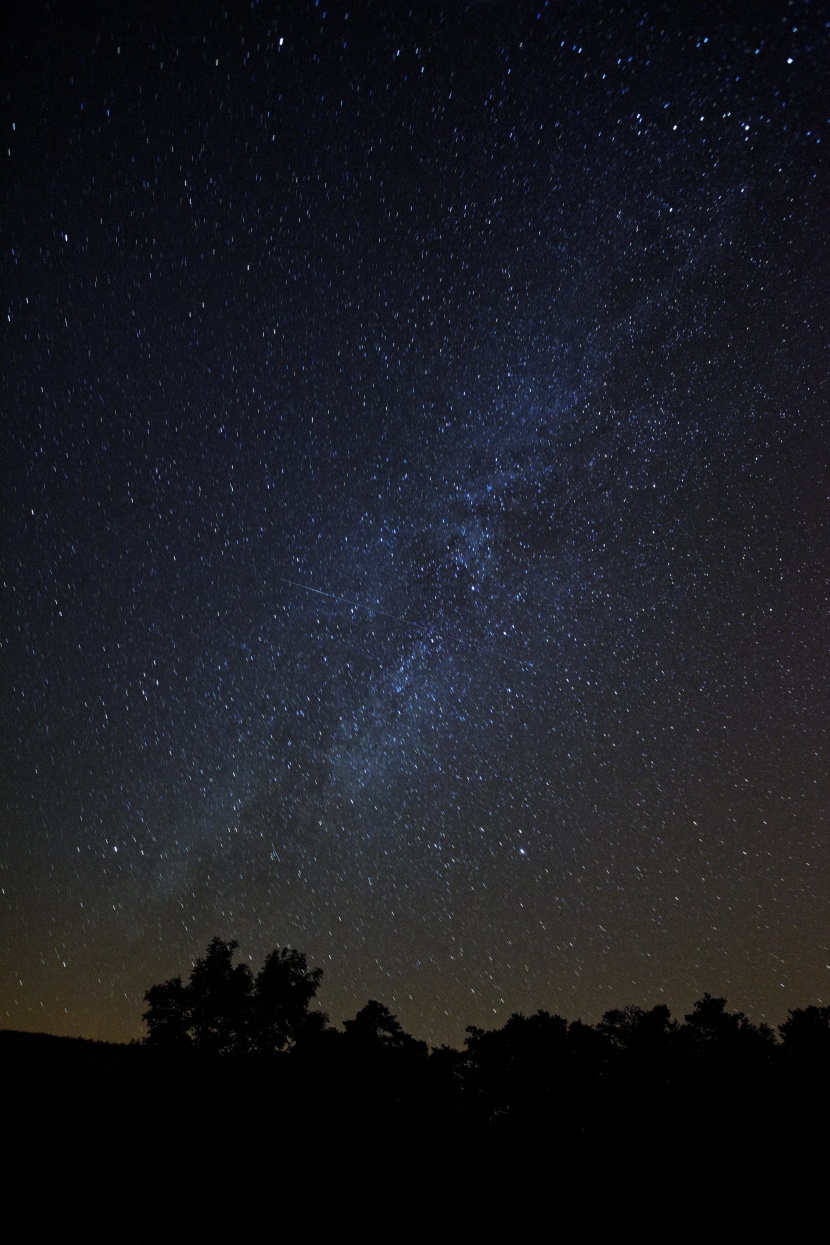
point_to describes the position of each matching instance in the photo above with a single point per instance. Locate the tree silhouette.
(283, 990)
(520, 1070)
(375, 1028)
(223, 1009)
(219, 994)
(710, 1025)
(168, 1016)
(632, 1028)
(806, 1032)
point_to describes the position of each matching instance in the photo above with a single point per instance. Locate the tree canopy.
(224, 1009)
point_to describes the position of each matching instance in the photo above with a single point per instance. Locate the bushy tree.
(521, 1069)
(633, 1028)
(806, 1032)
(168, 1015)
(219, 993)
(711, 1026)
(223, 1009)
(283, 991)
(374, 1028)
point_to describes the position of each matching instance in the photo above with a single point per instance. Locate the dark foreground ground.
(123, 1144)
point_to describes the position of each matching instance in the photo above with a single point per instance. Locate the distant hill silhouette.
(16, 1043)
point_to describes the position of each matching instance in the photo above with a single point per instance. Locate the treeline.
(539, 1083)
(224, 1009)
(244, 1113)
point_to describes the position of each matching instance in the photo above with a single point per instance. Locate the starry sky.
(415, 498)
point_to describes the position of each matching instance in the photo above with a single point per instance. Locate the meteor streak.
(398, 618)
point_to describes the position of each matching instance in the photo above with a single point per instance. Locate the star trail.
(416, 505)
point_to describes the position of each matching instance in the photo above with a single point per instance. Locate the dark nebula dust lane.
(416, 505)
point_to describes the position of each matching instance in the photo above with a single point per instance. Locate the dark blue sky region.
(416, 505)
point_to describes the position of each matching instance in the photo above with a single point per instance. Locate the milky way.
(416, 516)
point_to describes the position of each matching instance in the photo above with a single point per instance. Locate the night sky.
(415, 492)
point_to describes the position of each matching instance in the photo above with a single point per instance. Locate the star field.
(416, 505)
